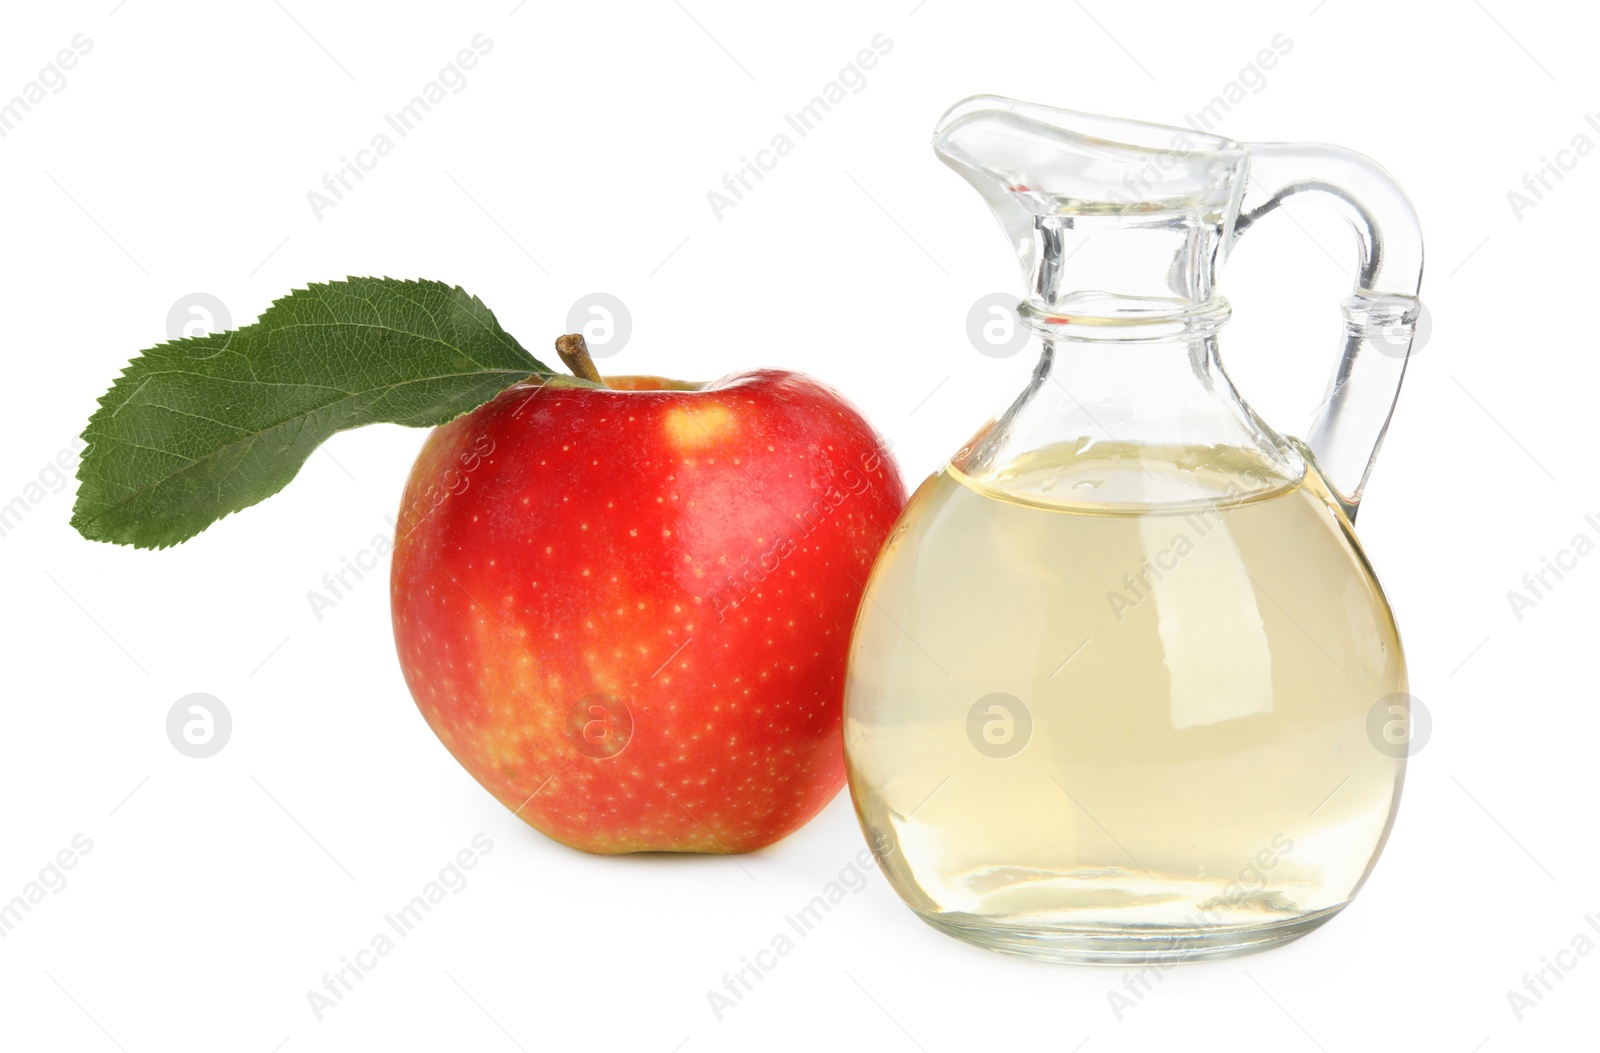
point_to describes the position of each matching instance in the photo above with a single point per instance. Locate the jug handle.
(1380, 315)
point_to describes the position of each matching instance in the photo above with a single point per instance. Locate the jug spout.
(1105, 215)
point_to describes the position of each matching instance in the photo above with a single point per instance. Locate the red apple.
(626, 610)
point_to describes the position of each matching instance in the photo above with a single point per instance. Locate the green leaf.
(202, 427)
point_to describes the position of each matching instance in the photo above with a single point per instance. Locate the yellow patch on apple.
(695, 429)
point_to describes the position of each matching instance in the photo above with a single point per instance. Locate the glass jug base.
(1154, 945)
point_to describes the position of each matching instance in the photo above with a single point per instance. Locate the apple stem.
(574, 351)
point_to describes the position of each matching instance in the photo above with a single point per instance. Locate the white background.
(578, 158)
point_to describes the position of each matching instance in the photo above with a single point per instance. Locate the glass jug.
(1111, 686)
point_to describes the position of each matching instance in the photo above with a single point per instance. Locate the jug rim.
(1102, 129)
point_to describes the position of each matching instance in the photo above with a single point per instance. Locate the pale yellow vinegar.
(1199, 678)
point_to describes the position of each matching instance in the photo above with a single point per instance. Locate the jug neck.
(1120, 267)
(1154, 394)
